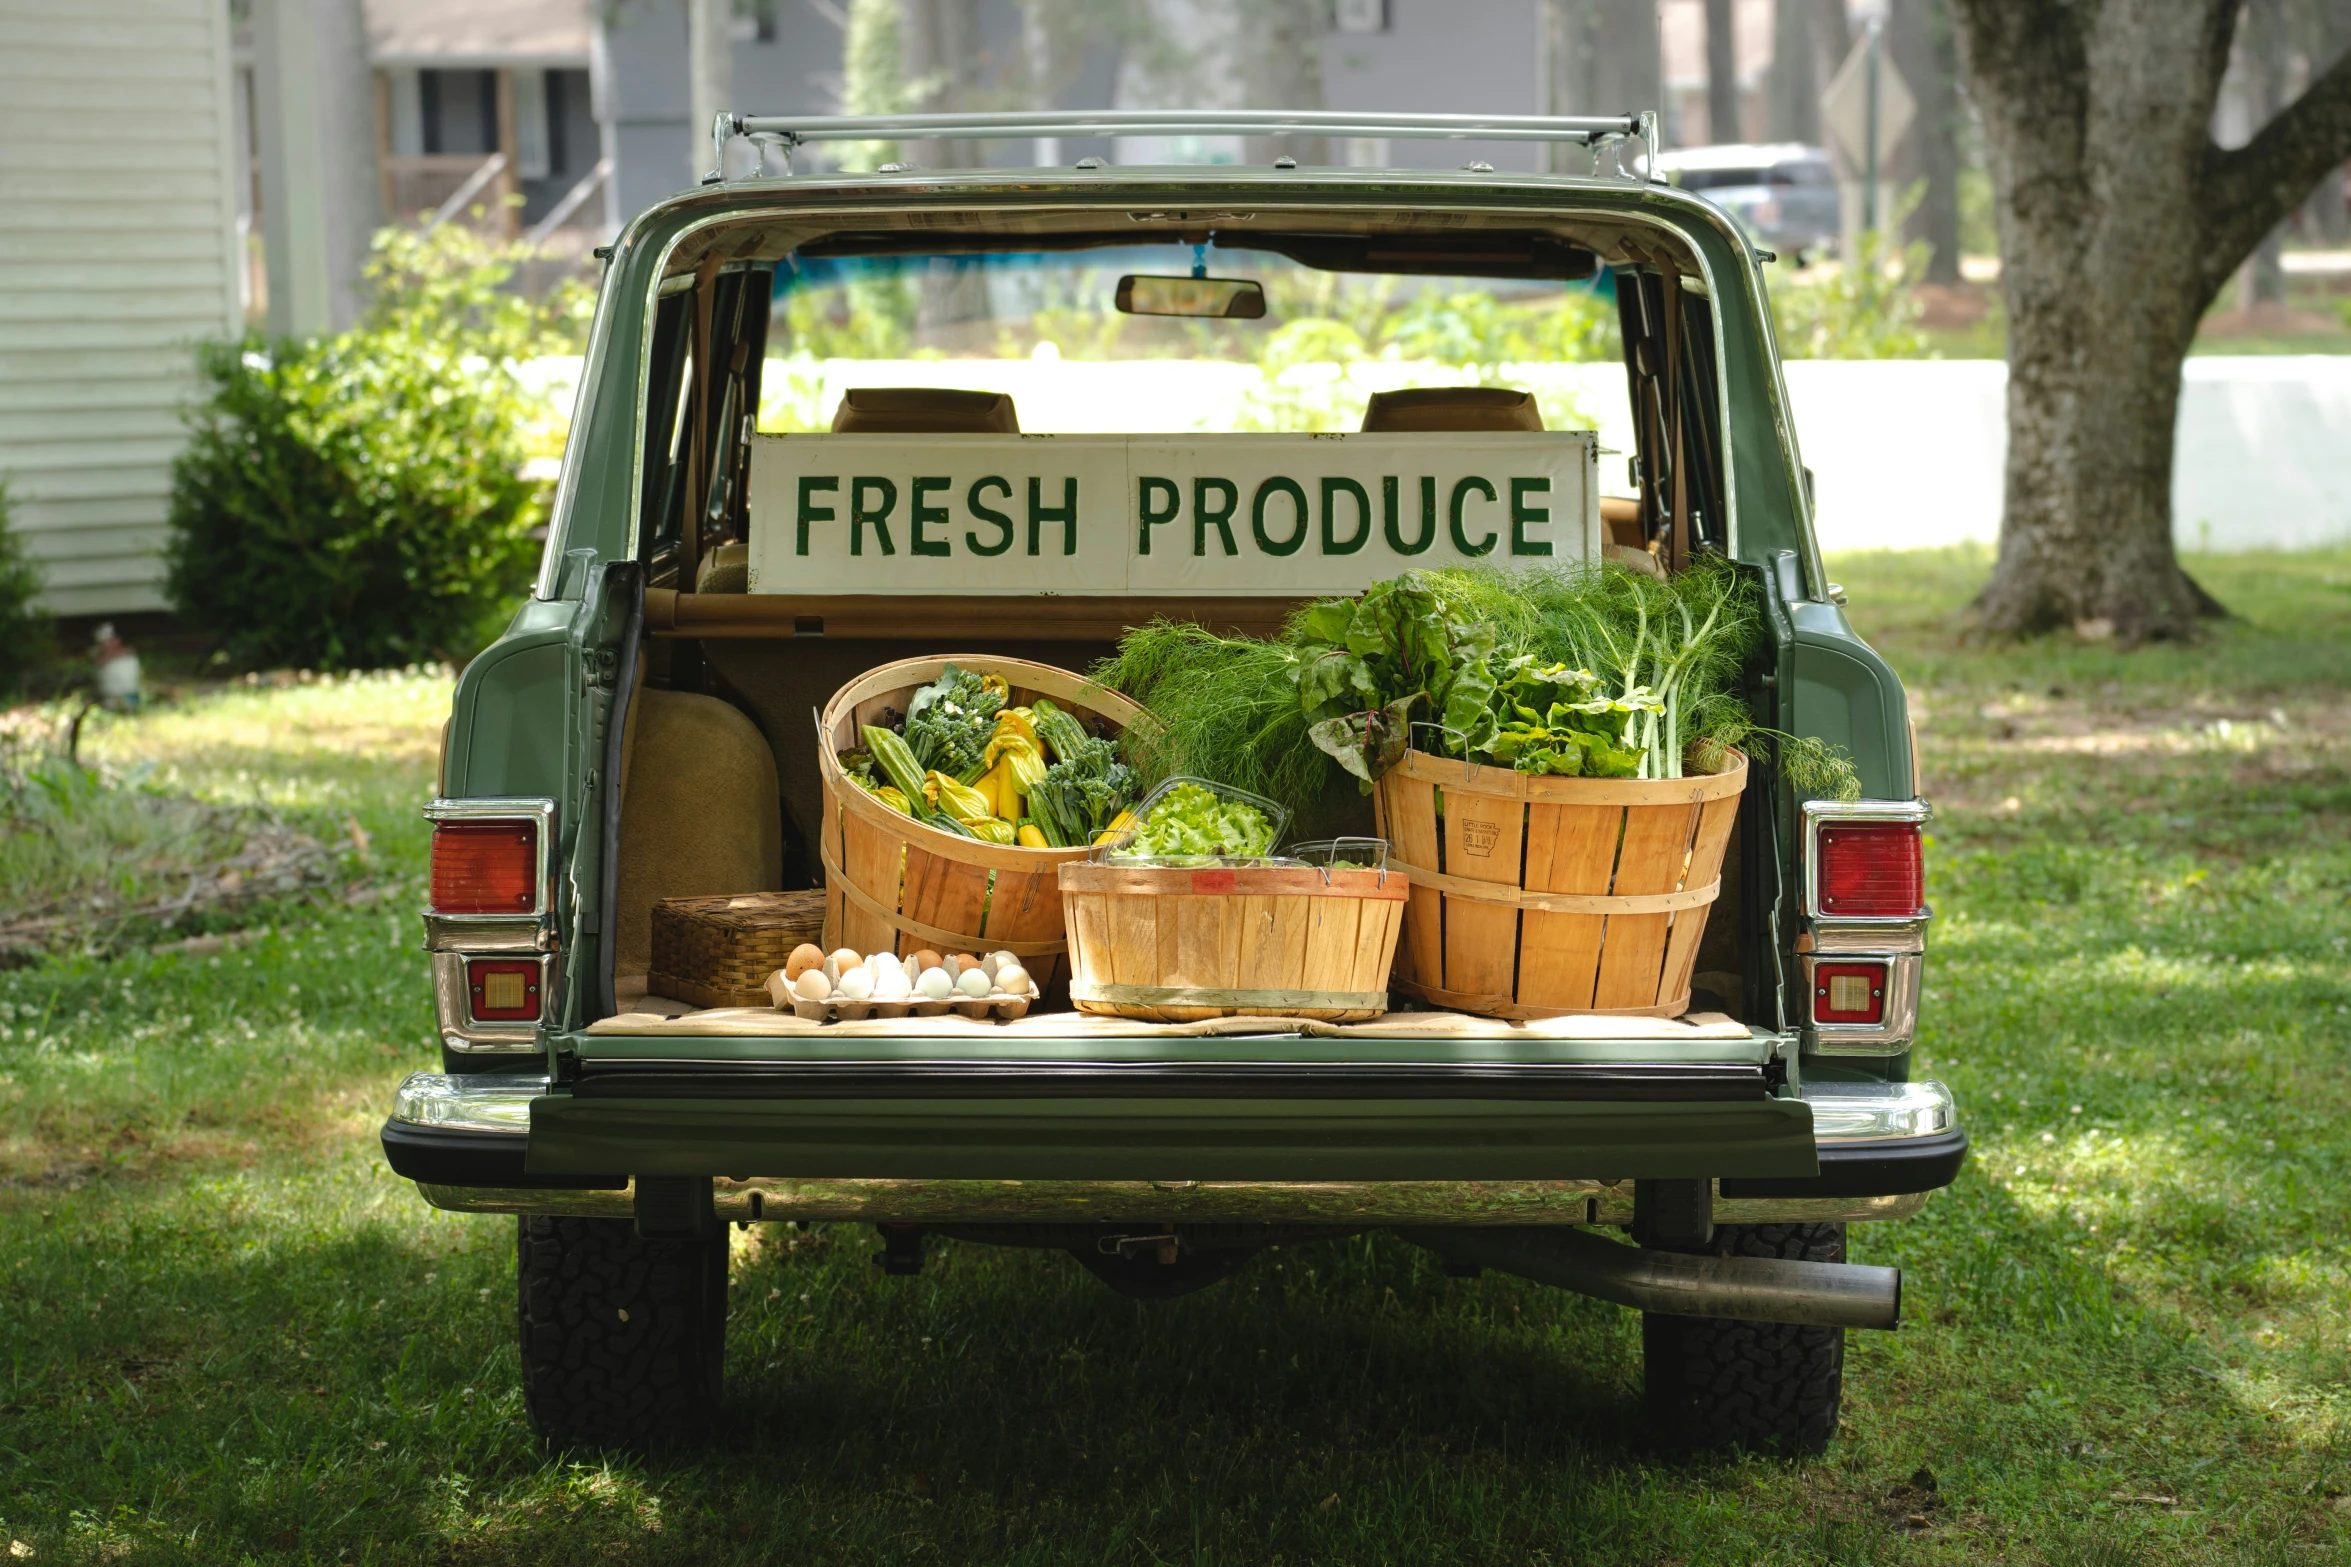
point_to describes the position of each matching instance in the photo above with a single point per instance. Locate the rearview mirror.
(1231, 298)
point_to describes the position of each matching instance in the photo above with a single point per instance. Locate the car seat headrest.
(1457, 408)
(923, 410)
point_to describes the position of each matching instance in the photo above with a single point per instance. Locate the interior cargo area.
(720, 790)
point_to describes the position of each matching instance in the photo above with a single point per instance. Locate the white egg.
(973, 983)
(857, 985)
(891, 985)
(812, 985)
(935, 984)
(885, 963)
(1013, 980)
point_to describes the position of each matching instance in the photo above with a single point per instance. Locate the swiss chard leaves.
(1363, 666)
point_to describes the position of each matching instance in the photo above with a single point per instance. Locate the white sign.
(1281, 515)
(1844, 108)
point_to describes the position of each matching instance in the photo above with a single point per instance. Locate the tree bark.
(1722, 73)
(2119, 222)
(1832, 33)
(1280, 47)
(1919, 38)
(1795, 90)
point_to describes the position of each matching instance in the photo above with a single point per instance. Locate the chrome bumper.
(461, 1138)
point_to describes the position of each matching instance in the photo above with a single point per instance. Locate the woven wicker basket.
(719, 951)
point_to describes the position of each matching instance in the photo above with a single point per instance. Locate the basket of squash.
(954, 790)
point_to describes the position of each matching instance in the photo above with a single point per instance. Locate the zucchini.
(892, 754)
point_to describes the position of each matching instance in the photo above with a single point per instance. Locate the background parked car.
(1786, 194)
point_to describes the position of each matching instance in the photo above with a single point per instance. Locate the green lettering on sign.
(1461, 494)
(1149, 515)
(1332, 489)
(810, 512)
(861, 514)
(989, 514)
(1394, 525)
(919, 514)
(1277, 485)
(1221, 518)
(1521, 514)
(1066, 514)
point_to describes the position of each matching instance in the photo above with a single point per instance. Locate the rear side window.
(1809, 171)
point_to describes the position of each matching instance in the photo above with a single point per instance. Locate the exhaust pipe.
(1754, 1289)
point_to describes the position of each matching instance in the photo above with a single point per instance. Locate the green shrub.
(27, 639)
(1864, 307)
(357, 501)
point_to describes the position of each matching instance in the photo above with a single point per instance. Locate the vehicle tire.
(623, 1339)
(1768, 1386)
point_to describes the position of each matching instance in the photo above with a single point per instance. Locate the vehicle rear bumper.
(502, 1143)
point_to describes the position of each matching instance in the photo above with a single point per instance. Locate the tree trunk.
(1608, 58)
(1832, 32)
(1722, 73)
(2093, 396)
(2267, 47)
(1919, 37)
(2119, 223)
(1280, 48)
(1795, 90)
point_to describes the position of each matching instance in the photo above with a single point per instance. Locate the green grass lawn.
(228, 1334)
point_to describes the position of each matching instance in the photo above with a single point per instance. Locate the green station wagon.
(1057, 373)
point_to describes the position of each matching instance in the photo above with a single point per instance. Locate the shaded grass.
(2125, 1335)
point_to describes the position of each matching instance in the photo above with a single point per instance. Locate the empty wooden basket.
(718, 951)
(1545, 897)
(1171, 945)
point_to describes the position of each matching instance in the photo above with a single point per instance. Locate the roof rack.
(786, 133)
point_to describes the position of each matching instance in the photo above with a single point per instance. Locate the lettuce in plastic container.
(1191, 821)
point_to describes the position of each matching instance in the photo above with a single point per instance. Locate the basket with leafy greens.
(1593, 672)
(1194, 821)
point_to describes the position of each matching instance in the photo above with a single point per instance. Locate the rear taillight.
(503, 992)
(1870, 870)
(1849, 992)
(485, 866)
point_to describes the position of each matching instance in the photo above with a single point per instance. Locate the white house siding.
(117, 255)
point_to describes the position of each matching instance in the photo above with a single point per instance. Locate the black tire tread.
(1767, 1386)
(592, 1377)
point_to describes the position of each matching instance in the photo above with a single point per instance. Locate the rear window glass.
(1044, 329)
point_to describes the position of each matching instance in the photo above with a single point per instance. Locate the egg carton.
(1000, 1005)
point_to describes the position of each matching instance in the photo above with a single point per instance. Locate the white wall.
(118, 253)
(1907, 454)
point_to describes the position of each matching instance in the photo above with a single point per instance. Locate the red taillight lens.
(1848, 993)
(503, 992)
(1871, 870)
(485, 867)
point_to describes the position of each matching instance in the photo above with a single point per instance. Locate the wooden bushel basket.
(1539, 897)
(1170, 944)
(894, 885)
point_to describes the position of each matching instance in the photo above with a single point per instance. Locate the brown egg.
(924, 959)
(804, 957)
